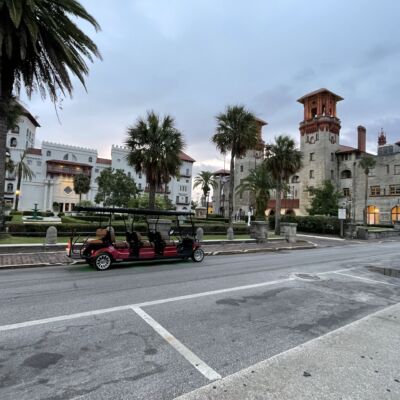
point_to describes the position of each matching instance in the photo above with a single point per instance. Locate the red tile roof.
(222, 172)
(184, 157)
(103, 161)
(322, 90)
(31, 150)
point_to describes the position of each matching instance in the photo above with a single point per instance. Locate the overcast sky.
(190, 58)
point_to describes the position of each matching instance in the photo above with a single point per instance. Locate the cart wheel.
(198, 255)
(102, 261)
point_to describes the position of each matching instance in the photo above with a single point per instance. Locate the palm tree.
(367, 163)
(40, 47)
(81, 185)
(283, 160)
(260, 183)
(154, 149)
(207, 181)
(236, 132)
(22, 171)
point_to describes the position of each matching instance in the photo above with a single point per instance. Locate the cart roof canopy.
(136, 211)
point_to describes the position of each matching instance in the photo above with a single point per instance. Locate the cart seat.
(121, 245)
(94, 241)
(143, 242)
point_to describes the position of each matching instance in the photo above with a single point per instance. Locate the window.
(66, 207)
(345, 174)
(48, 153)
(66, 157)
(332, 157)
(129, 174)
(346, 192)
(140, 175)
(332, 174)
(67, 190)
(311, 174)
(312, 158)
(295, 179)
(375, 190)
(372, 215)
(96, 170)
(139, 186)
(394, 190)
(29, 162)
(10, 187)
(186, 199)
(177, 199)
(397, 169)
(241, 168)
(396, 213)
(317, 136)
(313, 112)
(15, 129)
(39, 163)
(371, 172)
(90, 159)
(74, 157)
(387, 169)
(187, 171)
(13, 142)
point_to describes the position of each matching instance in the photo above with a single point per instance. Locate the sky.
(191, 58)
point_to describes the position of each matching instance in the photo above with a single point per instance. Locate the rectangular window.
(346, 192)
(241, 168)
(387, 169)
(187, 172)
(139, 186)
(177, 199)
(312, 157)
(371, 172)
(375, 190)
(66, 207)
(394, 189)
(332, 174)
(186, 199)
(332, 157)
(311, 174)
(397, 169)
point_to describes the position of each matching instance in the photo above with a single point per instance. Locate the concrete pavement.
(161, 331)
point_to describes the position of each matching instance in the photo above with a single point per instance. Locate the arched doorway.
(271, 213)
(289, 211)
(396, 213)
(372, 215)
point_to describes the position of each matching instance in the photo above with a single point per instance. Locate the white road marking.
(321, 237)
(365, 279)
(144, 304)
(199, 364)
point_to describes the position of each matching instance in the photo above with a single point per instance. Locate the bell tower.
(319, 141)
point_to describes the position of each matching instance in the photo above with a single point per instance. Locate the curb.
(207, 253)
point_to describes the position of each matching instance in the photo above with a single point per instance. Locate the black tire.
(102, 262)
(198, 255)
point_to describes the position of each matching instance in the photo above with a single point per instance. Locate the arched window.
(372, 215)
(66, 157)
(13, 142)
(48, 153)
(10, 187)
(74, 157)
(346, 174)
(396, 214)
(295, 179)
(90, 159)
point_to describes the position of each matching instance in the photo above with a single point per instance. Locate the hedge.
(310, 223)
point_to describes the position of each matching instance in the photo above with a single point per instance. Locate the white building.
(55, 165)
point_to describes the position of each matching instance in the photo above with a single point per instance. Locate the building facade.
(325, 158)
(54, 166)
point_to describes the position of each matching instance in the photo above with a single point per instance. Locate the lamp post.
(17, 194)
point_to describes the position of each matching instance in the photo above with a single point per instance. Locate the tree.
(142, 201)
(207, 181)
(283, 160)
(23, 171)
(237, 132)
(260, 183)
(325, 200)
(81, 185)
(115, 188)
(40, 48)
(154, 149)
(367, 163)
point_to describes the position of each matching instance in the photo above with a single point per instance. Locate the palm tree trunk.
(19, 180)
(3, 144)
(80, 197)
(366, 201)
(152, 196)
(231, 189)
(278, 210)
(207, 200)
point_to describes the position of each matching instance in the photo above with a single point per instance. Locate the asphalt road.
(157, 332)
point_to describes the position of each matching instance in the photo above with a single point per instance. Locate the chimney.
(382, 138)
(362, 138)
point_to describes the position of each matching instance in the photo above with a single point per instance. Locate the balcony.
(68, 168)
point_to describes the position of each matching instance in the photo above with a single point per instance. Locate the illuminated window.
(372, 215)
(396, 213)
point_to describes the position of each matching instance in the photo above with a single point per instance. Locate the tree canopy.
(325, 200)
(115, 188)
(81, 185)
(154, 149)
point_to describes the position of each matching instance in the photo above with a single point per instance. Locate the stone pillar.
(258, 231)
(289, 230)
(45, 195)
(51, 235)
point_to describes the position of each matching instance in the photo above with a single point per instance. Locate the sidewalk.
(360, 361)
(33, 256)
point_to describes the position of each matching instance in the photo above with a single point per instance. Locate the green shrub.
(310, 223)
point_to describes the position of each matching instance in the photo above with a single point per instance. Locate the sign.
(342, 213)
